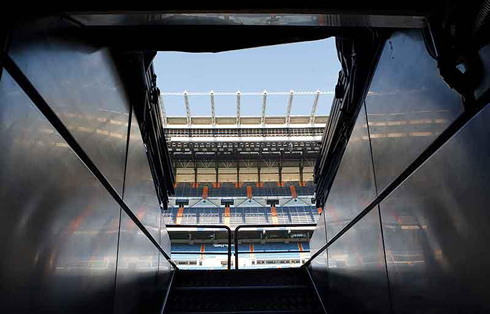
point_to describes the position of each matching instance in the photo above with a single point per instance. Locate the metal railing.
(228, 232)
(237, 233)
(237, 237)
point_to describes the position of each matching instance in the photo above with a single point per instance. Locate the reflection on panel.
(81, 84)
(139, 190)
(139, 281)
(353, 187)
(408, 105)
(319, 237)
(357, 272)
(58, 224)
(319, 266)
(137, 271)
(436, 228)
(164, 236)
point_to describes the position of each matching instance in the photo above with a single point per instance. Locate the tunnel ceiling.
(212, 28)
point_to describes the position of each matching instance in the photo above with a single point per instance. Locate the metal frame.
(237, 232)
(290, 106)
(351, 90)
(236, 238)
(187, 108)
(238, 108)
(238, 94)
(213, 115)
(228, 232)
(163, 111)
(313, 108)
(264, 108)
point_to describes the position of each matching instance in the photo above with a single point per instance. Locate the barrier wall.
(67, 246)
(422, 250)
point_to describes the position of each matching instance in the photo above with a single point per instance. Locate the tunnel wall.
(67, 247)
(422, 250)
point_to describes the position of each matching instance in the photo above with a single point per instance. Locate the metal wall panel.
(82, 85)
(436, 227)
(139, 290)
(139, 189)
(354, 185)
(408, 105)
(61, 224)
(319, 236)
(357, 271)
(435, 224)
(58, 224)
(352, 190)
(165, 242)
(319, 266)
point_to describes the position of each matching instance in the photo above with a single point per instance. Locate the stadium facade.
(243, 170)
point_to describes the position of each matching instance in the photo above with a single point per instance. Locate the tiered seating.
(209, 216)
(189, 216)
(276, 247)
(308, 189)
(229, 189)
(243, 215)
(272, 247)
(301, 214)
(191, 250)
(215, 248)
(283, 216)
(256, 255)
(256, 215)
(185, 189)
(237, 216)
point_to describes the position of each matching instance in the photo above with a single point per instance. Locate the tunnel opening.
(88, 184)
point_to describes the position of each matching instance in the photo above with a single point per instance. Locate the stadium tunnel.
(391, 217)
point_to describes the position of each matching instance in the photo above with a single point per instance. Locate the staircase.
(271, 291)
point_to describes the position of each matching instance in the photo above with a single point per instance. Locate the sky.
(306, 66)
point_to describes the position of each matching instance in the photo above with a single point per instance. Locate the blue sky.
(306, 66)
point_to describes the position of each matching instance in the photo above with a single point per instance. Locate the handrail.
(263, 226)
(228, 231)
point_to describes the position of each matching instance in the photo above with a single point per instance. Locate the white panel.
(307, 176)
(184, 178)
(249, 174)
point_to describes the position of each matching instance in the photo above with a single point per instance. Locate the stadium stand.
(241, 171)
(243, 215)
(229, 189)
(258, 255)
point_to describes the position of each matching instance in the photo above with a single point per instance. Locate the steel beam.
(187, 108)
(238, 122)
(213, 114)
(163, 111)
(264, 106)
(290, 105)
(313, 109)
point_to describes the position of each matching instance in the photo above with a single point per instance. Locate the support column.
(259, 183)
(237, 174)
(195, 172)
(301, 166)
(280, 171)
(217, 172)
(174, 165)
